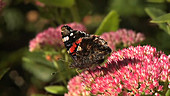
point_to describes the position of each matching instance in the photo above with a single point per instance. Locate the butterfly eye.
(66, 28)
(63, 29)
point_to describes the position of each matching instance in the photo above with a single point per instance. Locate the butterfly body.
(86, 50)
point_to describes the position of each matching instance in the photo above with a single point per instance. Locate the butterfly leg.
(90, 73)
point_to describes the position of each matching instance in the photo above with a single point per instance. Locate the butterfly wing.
(93, 52)
(71, 38)
(86, 50)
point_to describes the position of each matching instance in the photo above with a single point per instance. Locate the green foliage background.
(29, 74)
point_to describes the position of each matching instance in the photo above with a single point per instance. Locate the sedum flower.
(133, 71)
(77, 26)
(76, 87)
(51, 37)
(122, 36)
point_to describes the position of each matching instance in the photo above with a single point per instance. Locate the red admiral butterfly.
(85, 49)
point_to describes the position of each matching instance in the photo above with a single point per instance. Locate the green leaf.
(168, 93)
(162, 19)
(168, 29)
(3, 71)
(58, 3)
(39, 70)
(156, 1)
(110, 23)
(154, 13)
(56, 89)
(36, 64)
(38, 57)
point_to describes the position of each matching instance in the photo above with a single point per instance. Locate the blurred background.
(26, 74)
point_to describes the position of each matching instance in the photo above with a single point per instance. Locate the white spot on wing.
(65, 39)
(82, 32)
(71, 34)
(79, 48)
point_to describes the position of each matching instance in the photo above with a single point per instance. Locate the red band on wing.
(79, 41)
(74, 53)
(73, 47)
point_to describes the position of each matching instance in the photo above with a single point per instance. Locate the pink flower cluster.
(76, 88)
(2, 4)
(133, 71)
(122, 36)
(52, 37)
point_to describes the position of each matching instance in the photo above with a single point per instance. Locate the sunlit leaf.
(154, 13)
(162, 19)
(58, 3)
(168, 29)
(56, 89)
(110, 23)
(168, 92)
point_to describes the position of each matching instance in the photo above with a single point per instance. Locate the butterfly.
(86, 50)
